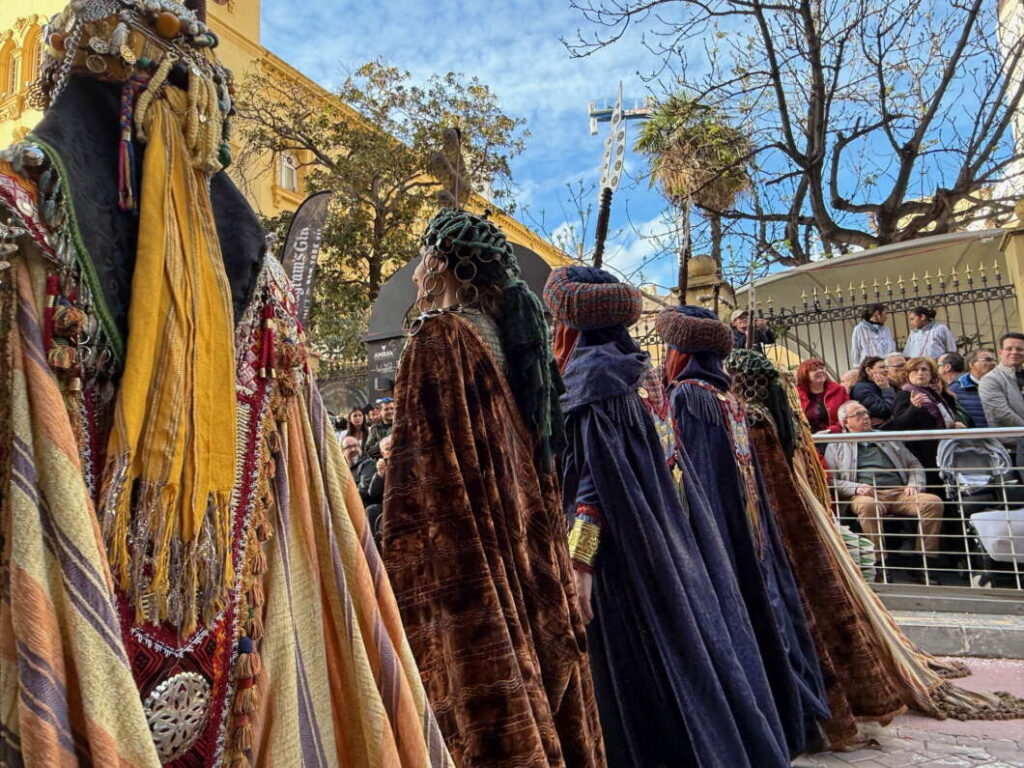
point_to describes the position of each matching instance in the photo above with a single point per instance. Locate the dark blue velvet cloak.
(677, 668)
(769, 590)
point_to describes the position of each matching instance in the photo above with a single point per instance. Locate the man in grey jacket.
(1000, 391)
(880, 479)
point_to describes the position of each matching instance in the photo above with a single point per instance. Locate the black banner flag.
(302, 247)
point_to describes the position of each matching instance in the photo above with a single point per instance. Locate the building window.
(13, 82)
(8, 70)
(289, 176)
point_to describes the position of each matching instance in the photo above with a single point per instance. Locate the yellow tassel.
(256, 594)
(239, 760)
(259, 561)
(248, 665)
(243, 737)
(246, 701)
(256, 627)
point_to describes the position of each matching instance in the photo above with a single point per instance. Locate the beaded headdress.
(143, 45)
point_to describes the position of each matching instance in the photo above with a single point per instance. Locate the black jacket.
(878, 401)
(762, 336)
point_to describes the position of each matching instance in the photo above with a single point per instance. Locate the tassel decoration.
(52, 292)
(62, 357)
(127, 159)
(68, 320)
(267, 352)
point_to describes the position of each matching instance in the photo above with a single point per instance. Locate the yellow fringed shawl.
(171, 456)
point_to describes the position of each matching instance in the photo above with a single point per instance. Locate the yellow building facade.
(271, 184)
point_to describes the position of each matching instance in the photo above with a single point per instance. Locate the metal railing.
(963, 527)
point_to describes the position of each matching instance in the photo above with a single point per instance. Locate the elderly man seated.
(880, 479)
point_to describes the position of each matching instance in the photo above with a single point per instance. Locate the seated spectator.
(360, 465)
(373, 491)
(874, 391)
(927, 338)
(882, 479)
(820, 397)
(896, 369)
(871, 336)
(951, 367)
(979, 363)
(1000, 390)
(848, 379)
(740, 321)
(925, 403)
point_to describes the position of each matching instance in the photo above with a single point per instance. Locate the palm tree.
(697, 158)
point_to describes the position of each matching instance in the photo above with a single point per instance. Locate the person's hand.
(880, 378)
(919, 400)
(584, 591)
(863, 490)
(913, 491)
(382, 467)
(959, 425)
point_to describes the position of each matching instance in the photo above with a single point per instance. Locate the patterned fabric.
(474, 537)
(66, 696)
(586, 298)
(306, 663)
(694, 329)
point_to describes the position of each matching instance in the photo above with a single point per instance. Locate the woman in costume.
(191, 578)
(473, 532)
(858, 685)
(678, 671)
(816, 545)
(711, 437)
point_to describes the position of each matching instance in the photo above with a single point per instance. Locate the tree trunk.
(685, 249)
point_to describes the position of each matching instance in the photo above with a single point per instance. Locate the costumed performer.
(188, 578)
(677, 669)
(921, 679)
(858, 683)
(712, 439)
(473, 533)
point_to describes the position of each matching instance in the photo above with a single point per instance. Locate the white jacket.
(931, 341)
(870, 339)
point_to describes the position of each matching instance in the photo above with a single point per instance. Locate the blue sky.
(514, 47)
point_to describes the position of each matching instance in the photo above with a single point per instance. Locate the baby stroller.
(978, 475)
(1002, 538)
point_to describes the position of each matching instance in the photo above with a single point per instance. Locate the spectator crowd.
(928, 385)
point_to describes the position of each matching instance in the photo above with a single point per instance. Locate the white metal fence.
(964, 525)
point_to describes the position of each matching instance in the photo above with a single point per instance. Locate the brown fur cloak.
(475, 546)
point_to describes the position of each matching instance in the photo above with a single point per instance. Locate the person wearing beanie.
(473, 533)
(713, 448)
(649, 595)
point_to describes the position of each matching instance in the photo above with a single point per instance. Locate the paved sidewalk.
(922, 742)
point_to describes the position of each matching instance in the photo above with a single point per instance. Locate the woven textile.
(586, 298)
(66, 694)
(171, 457)
(694, 329)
